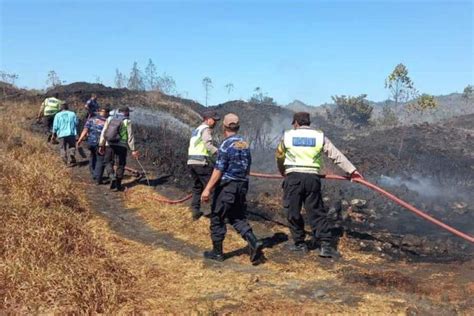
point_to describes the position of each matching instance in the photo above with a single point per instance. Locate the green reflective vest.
(123, 132)
(51, 106)
(197, 149)
(304, 147)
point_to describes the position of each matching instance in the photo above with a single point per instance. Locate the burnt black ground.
(356, 278)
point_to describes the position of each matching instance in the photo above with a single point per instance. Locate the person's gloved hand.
(356, 175)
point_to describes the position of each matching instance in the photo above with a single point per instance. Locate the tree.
(389, 117)
(98, 80)
(53, 80)
(423, 103)
(229, 87)
(120, 79)
(135, 80)
(207, 84)
(259, 97)
(355, 109)
(166, 84)
(400, 84)
(468, 93)
(151, 76)
(9, 78)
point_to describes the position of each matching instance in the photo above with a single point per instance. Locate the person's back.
(95, 125)
(65, 128)
(115, 140)
(234, 159)
(124, 132)
(65, 124)
(92, 106)
(51, 106)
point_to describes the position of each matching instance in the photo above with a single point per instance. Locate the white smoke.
(422, 185)
(155, 118)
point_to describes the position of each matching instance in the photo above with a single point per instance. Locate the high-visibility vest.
(197, 149)
(304, 149)
(51, 106)
(123, 132)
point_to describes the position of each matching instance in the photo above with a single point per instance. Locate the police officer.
(230, 180)
(48, 110)
(119, 126)
(201, 157)
(299, 160)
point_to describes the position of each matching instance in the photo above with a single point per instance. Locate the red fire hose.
(392, 197)
(371, 186)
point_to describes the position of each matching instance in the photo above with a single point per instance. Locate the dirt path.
(291, 282)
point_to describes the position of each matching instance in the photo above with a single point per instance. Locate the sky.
(305, 50)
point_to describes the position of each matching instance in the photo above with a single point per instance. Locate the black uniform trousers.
(109, 158)
(305, 189)
(201, 175)
(229, 204)
(48, 125)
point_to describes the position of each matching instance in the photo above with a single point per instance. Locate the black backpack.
(112, 134)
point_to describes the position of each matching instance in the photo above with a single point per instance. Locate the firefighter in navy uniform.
(201, 157)
(299, 160)
(230, 180)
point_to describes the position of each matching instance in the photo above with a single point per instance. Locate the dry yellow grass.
(57, 256)
(49, 259)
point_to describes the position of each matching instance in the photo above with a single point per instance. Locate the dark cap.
(211, 114)
(125, 109)
(302, 118)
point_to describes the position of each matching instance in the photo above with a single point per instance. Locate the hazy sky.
(306, 50)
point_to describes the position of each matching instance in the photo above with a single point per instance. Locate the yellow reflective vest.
(51, 106)
(303, 150)
(197, 149)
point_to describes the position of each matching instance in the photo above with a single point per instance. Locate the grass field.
(59, 256)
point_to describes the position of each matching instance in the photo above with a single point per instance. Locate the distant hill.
(449, 106)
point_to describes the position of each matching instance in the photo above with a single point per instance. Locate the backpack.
(112, 134)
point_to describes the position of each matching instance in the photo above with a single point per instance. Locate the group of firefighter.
(220, 174)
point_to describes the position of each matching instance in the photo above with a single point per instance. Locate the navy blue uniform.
(229, 199)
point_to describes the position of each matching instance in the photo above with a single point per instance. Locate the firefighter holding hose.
(299, 160)
(201, 157)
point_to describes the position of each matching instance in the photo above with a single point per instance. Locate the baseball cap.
(211, 114)
(231, 118)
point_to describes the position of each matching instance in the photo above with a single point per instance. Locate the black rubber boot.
(118, 185)
(299, 247)
(113, 183)
(196, 214)
(216, 252)
(255, 247)
(328, 251)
